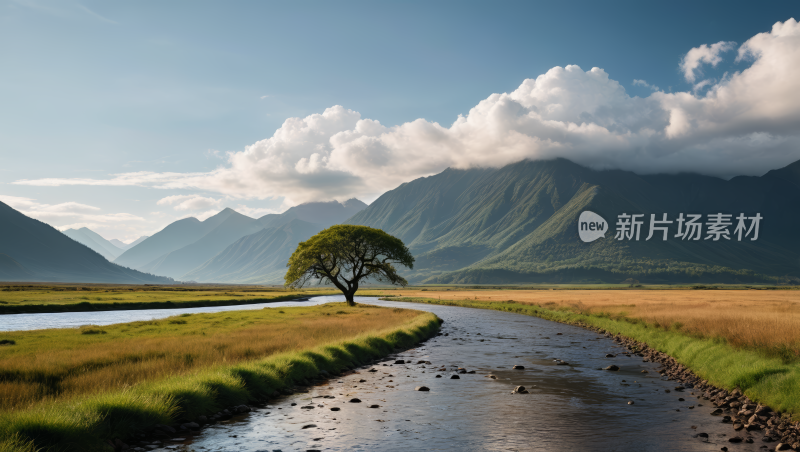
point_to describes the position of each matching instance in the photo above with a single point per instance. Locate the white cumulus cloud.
(189, 202)
(748, 122)
(708, 54)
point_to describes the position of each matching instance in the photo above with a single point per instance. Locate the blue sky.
(94, 89)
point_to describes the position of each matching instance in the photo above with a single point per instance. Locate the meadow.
(33, 298)
(78, 386)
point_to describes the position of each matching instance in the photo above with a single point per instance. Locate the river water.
(572, 407)
(21, 322)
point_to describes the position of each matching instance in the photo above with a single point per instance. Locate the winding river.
(575, 406)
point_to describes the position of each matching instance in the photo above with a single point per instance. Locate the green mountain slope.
(519, 224)
(36, 251)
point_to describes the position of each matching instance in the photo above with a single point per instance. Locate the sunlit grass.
(62, 363)
(766, 320)
(178, 372)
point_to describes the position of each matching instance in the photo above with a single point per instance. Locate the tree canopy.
(346, 255)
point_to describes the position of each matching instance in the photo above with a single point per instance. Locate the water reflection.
(21, 322)
(570, 407)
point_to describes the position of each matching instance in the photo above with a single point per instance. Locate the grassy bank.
(765, 320)
(20, 298)
(145, 373)
(772, 380)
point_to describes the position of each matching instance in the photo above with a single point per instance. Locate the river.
(576, 406)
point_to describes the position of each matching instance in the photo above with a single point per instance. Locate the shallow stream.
(570, 407)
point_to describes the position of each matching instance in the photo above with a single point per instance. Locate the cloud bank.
(76, 215)
(746, 123)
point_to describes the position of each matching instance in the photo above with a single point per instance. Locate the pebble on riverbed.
(518, 367)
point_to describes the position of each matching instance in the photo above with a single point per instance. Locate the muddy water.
(570, 407)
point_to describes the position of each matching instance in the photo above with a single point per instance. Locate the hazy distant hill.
(261, 257)
(176, 263)
(126, 246)
(322, 213)
(257, 258)
(34, 251)
(173, 237)
(519, 224)
(94, 241)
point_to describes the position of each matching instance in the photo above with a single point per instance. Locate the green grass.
(18, 299)
(82, 424)
(766, 379)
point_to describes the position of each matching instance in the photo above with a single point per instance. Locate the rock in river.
(355, 400)
(455, 377)
(422, 388)
(518, 367)
(612, 367)
(520, 390)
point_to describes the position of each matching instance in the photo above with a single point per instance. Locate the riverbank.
(318, 345)
(769, 380)
(39, 299)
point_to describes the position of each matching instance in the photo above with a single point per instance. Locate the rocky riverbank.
(172, 437)
(750, 420)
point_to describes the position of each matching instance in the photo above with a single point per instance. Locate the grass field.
(35, 298)
(766, 320)
(77, 386)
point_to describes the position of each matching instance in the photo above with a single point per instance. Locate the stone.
(716, 412)
(783, 446)
(612, 368)
(520, 390)
(630, 402)
(336, 408)
(422, 388)
(362, 381)
(611, 355)
(374, 406)
(401, 361)
(702, 435)
(518, 367)
(493, 377)
(735, 439)
(309, 426)
(455, 377)
(355, 400)
(438, 376)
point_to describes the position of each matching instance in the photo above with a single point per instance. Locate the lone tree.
(344, 255)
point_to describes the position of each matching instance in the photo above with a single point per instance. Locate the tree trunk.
(349, 298)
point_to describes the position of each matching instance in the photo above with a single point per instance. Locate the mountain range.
(31, 250)
(234, 248)
(515, 224)
(519, 224)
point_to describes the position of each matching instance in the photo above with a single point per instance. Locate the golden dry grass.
(62, 363)
(767, 319)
